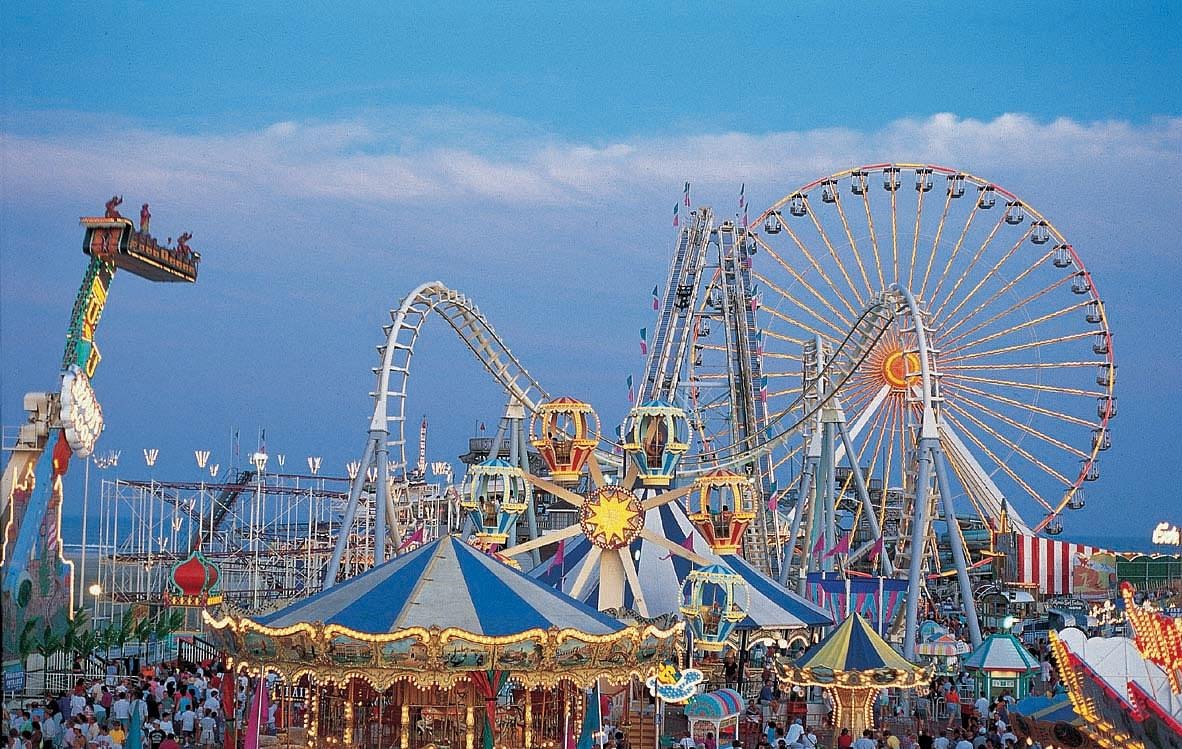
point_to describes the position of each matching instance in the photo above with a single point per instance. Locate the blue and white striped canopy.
(445, 583)
(661, 574)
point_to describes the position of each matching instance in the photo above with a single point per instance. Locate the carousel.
(442, 646)
(854, 664)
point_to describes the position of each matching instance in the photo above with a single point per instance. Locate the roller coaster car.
(116, 240)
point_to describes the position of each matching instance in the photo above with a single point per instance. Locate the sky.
(327, 161)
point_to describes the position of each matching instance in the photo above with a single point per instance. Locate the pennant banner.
(656, 299)
(644, 341)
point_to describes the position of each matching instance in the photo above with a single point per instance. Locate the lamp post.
(108, 459)
(313, 518)
(150, 456)
(259, 459)
(202, 458)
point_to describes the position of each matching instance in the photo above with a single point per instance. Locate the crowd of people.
(171, 706)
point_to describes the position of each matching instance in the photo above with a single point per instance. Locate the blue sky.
(328, 160)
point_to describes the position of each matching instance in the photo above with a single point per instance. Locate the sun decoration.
(900, 369)
(612, 517)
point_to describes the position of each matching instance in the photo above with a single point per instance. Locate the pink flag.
(687, 197)
(644, 341)
(687, 544)
(656, 299)
(875, 550)
(414, 538)
(819, 546)
(559, 556)
(773, 500)
(676, 220)
(841, 547)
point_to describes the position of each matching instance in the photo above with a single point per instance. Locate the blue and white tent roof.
(661, 574)
(446, 583)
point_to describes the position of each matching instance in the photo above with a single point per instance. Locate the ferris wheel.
(1018, 342)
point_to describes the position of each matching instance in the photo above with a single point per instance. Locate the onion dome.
(194, 581)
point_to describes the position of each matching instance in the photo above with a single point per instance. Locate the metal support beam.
(957, 542)
(919, 527)
(346, 528)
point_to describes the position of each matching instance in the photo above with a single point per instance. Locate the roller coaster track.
(487, 346)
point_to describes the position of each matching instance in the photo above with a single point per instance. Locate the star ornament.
(612, 517)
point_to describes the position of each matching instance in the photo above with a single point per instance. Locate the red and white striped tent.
(1049, 563)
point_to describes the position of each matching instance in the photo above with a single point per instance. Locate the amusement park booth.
(718, 712)
(1001, 664)
(443, 645)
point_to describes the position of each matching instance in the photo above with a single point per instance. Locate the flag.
(559, 556)
(482, 427)
(743, 195)
(656, 299)
(631, 392)
(819, 545)
(841, 547)
(687, 544)
(876, 549)
(772, 499)
(763, 389)
(675, 220)
(756, 301)
(644, 341)
(414, 538)
(686, 198)
(759, 343)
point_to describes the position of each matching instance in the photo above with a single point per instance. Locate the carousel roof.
(445, 583)
(854, 646)
(662, 574)
(1002, 652)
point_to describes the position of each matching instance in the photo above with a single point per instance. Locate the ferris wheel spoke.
(952, 380)
(1024, 346)
(1004, 290)
(849, 235)
(935, 244)
(816, 266)
(997, 461)
(833, 254)
(984, 246)
(989, 275)
(969, 483)
(779, 355)
(1028, 407)
(915, 240)
(788, 295)
(1015, 307)
(955, 251)
(793, 321)
(1033, 322)
(895, 233)
(1016, 365)
(782, 337)
(1023, 427)
(1003, 439)
(873, 237)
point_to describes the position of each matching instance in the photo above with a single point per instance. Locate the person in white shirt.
(77, 704)
(941, 741)
(188, 724)
(208, 728)
(121, 709)
(964, 743)
(687, 742)
(211, 702)
(982, 706)
(794, 733)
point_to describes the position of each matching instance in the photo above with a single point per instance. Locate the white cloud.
(403, 160)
